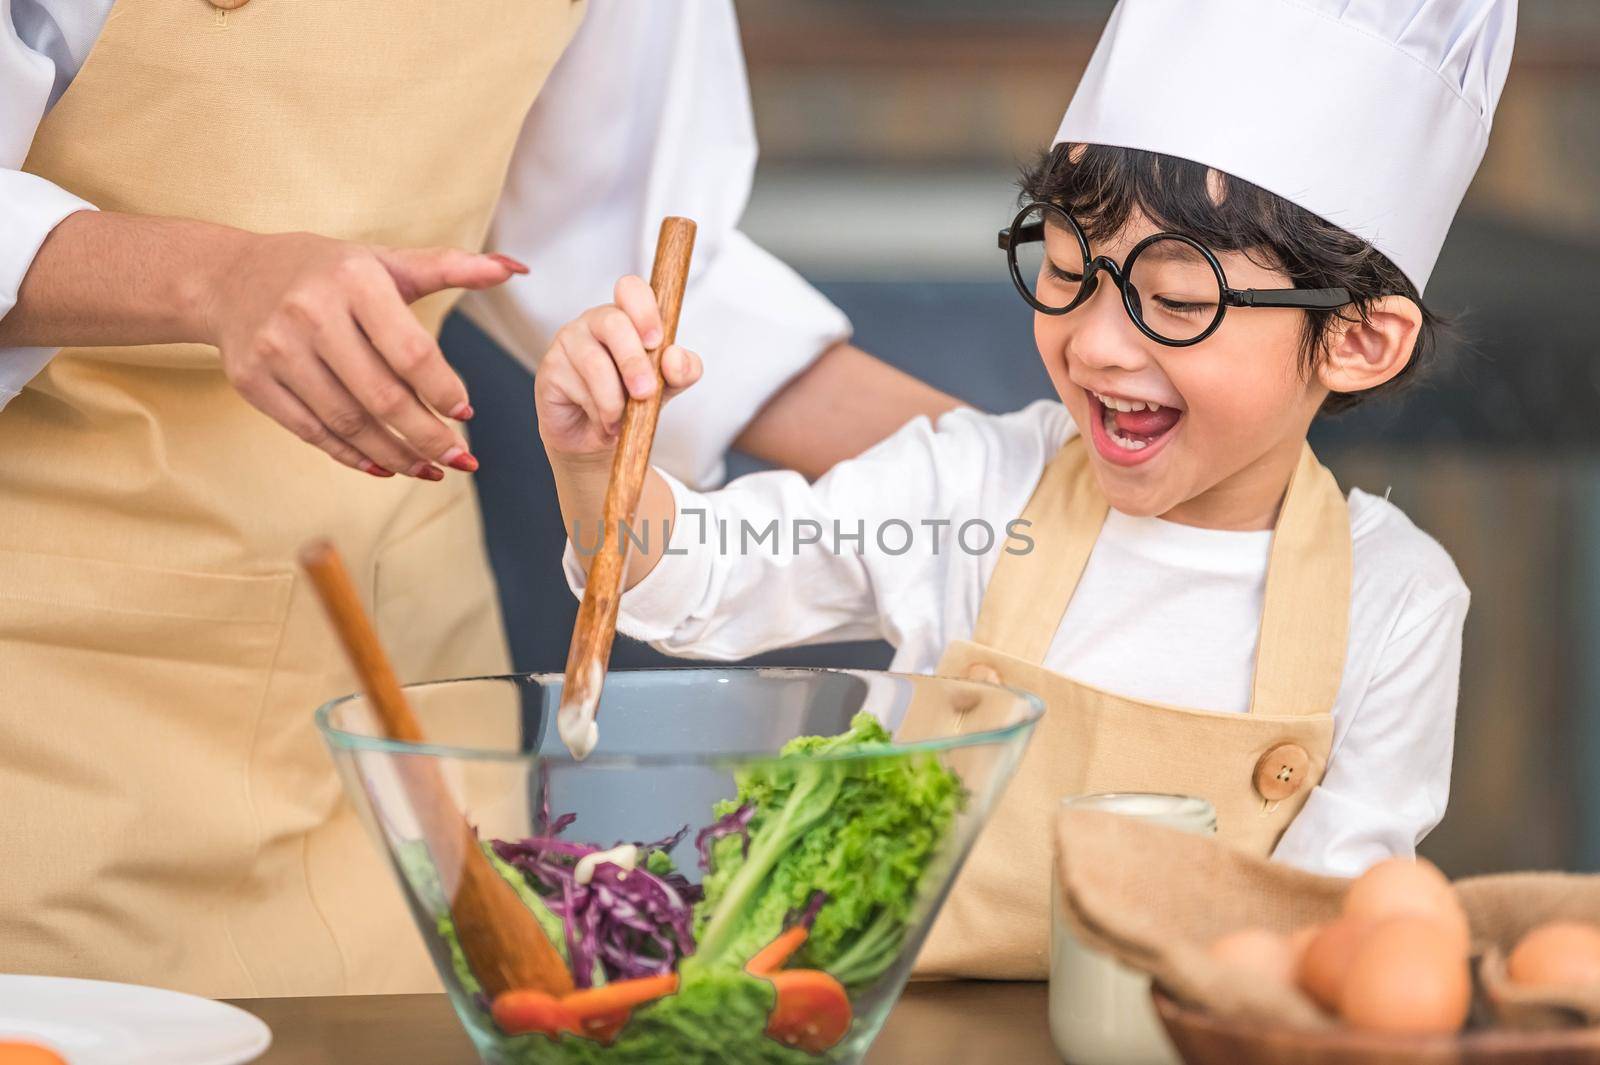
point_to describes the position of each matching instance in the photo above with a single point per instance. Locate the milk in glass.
(1100, 1010)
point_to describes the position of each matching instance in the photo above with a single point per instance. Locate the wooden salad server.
(503, 941)
(596, 626)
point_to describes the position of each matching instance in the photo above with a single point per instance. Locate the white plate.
(90, 1022)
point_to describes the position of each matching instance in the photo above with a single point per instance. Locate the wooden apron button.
(985, 674)
(1282, 771)
(228, 5)
(968, 701)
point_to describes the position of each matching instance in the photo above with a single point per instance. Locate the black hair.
(1102, 187)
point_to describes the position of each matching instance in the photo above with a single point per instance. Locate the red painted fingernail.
(376, 470)
(515, 266)
(462, 413)
(461, 460)
(432, 473)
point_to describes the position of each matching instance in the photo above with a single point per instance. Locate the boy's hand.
(597, 363)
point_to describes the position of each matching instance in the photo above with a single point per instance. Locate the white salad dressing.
(575, 721)
(625, 857)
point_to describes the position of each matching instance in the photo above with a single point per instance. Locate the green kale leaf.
(863, 830)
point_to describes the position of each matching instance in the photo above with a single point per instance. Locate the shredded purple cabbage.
(726, 825)
(808, 916)
(637, 923)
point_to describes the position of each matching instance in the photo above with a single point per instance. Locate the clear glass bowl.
(883, 831)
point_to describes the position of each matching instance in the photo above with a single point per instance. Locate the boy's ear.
(1365, 354)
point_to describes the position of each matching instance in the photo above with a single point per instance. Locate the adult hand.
(317, 334)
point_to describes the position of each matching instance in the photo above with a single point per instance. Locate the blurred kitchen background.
(891, 133)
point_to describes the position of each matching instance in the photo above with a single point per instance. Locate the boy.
(1201, 609)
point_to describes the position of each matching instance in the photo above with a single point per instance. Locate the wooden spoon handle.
(503, 941)
(326, 569)
(596, 626)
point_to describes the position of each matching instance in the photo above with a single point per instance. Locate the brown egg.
(1256, 951)
(1401, 886)
(1558, 954)
(1326, 960)
(28, 1054)
(1408, 976)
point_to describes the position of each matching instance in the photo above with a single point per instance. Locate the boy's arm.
(581, 482)
(1388, 776)
(774, 561)
(770, 561)
(597, 362)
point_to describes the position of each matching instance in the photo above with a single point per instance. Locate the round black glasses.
(1172, 286)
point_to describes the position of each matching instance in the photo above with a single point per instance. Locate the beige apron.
(1257, 768)
(168, 814)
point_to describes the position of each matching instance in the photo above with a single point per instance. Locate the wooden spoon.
(596, 626)
(503, 941)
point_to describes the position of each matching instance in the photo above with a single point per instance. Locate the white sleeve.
(771, 561)
(30, 207)
(1388, 777)
(647, 115)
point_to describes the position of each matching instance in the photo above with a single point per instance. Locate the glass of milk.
(1100, 1010)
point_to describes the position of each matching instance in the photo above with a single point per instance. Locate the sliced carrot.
(812, 1012)
(28, 1054)
(597, 1013)
(602, 1012)
(770, 958)
(604, 1028)
(619, 996)
(526, 1012)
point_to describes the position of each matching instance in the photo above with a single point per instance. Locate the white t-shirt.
(1164, 612)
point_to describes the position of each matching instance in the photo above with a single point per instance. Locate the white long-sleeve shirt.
(1164, 612)
(647, 114)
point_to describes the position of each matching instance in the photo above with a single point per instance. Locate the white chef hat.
(1373, 114)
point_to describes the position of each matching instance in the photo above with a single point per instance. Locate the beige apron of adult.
(1257, 768)
(168, 814)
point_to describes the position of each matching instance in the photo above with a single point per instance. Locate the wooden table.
(934, 1024)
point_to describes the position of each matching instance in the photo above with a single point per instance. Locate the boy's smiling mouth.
(1127, 431)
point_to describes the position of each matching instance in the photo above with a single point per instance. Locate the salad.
(810, 879)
